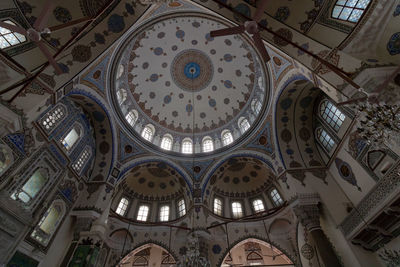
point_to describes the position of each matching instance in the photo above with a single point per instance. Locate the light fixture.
(193, 258)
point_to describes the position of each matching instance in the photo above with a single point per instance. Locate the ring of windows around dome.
(137, 117)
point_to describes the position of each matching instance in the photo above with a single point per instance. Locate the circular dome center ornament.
(192, 70)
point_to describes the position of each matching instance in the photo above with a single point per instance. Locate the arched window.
(164, 213)
(350, 10)
(258, 205)
(121, 96)
(49, 222)
(131, 117)
(148, 133)
(256, 106)
(187, 146)
(244, 124)
(331, 114)
(276, 197)
(72, 137)
(83, 158)
(325, 139)
(53, 117)
(166, 142)
(181, 207)
(9, 38)
(208, 144)
(120, 71)
(237, 209)
(227, 137)
(6, 158)
(122, 206)
(218, 206)
(143, 213)
(31, 187)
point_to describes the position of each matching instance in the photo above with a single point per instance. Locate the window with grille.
(187, 146)
(9, 38)
(121, 96)
(276, 197)
(143, 213)
(331, 114)
(218, 206)
(256, 106)
(227, 138)
(325, 139)
(147, 133)
(83, 158)
(131, 117)
(208, 145)
(32, 187)
(350, 10)
(122, 206)
(244, 125)
(181, 208)
(164, 213)
(258, 205)
(166, 143)
(237, 209)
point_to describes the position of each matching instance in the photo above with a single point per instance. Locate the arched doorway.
(149, 255)
(255, 252)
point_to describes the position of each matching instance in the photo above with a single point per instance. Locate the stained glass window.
(258, 205)
(181, 208)
(83, 158)
(49, 222)
(164, 213)
(143, 213)
(187, 146)
(237, 209)
(276, 197)
(122, 206)
(218, 206)
(166, 142)
(227, 138)
(53, 117)
(208, 145)
(350, 10)
(32, 187)
(9, 38)
(331, 114)
(325, 139)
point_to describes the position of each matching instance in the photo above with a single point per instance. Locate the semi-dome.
(185, 92)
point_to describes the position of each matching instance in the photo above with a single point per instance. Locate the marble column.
(307, 211)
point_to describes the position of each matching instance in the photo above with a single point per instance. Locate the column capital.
(307, 210)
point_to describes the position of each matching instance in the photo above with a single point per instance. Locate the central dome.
(180, 82)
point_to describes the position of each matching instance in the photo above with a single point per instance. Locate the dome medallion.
(171, 76)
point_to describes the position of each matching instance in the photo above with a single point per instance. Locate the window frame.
(75, 144)
(169, 212)
(256, 106)
(242, 208)
(171, 140)
(240, 124)
(330, 117)
(20, 187)
(272, 199)
(122, 95)
(344, 6)
(150, 133)
(224, 133)
(130, 114)
(15, 34)
(178, 207)
(203, 144)
(318, 133)
(127, 205)
(148, 212)
(187, 140)
(262, 201)
(222, 206)
(88, 150)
